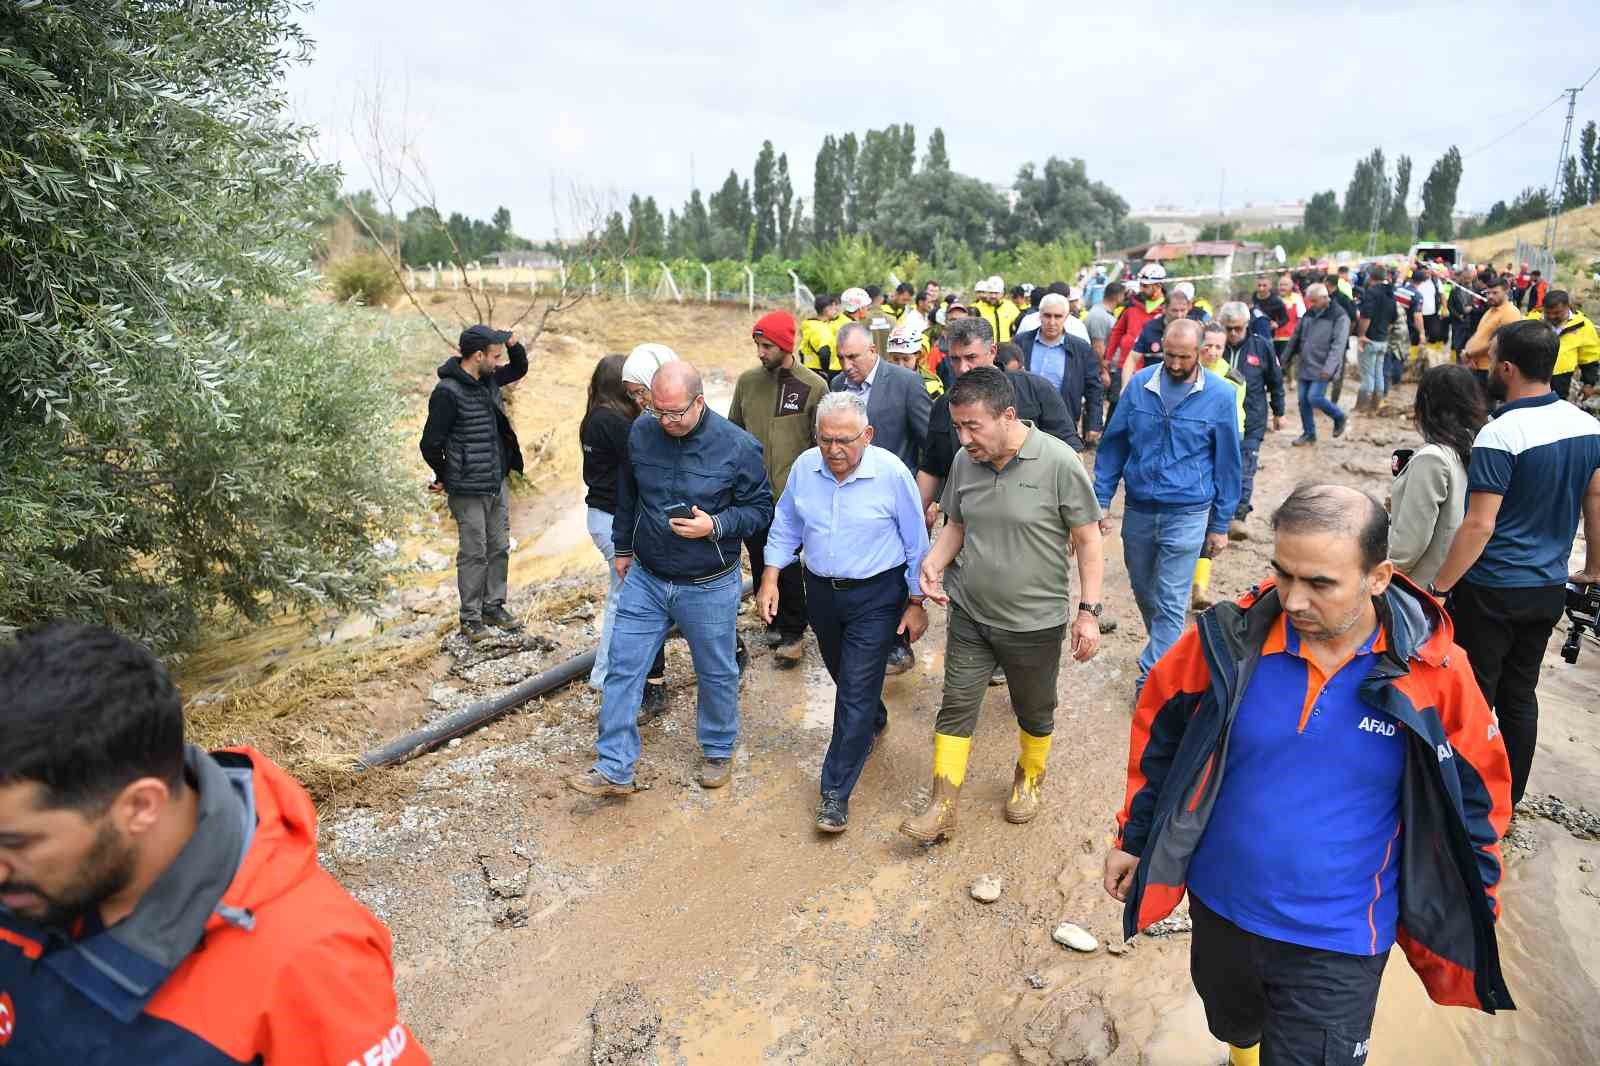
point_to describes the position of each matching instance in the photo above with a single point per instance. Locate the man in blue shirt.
(856, 511)
(1535, 468)
(1173, 442)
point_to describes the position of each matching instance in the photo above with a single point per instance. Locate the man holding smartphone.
(693, 490)
(470, 444)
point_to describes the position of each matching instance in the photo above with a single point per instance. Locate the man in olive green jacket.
(776, 403)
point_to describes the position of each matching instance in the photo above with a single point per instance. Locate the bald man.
(693, 490)
(1173, 444)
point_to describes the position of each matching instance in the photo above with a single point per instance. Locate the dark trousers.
(1250, 453)
(1304, 1006)
(1561, 384)
(791, 618)
(855, 629)
(972, 650)
(1504, 633)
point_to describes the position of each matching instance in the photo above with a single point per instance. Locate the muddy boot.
(949, 770)
(1027, 780)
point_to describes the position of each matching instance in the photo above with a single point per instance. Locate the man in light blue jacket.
(1173, 442)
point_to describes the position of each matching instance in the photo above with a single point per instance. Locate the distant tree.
(1574, 190)
(1589, 157)
(1217, 231)
(1367, 193)
(731, 218)
(501, 220)
(788, 220)
(849, 155)
(696, 228)
(1397, 220)
(1322, 214)
(827, 195)
(647, 232)
(937, 158)
(1439, 197)
(1060, 200)
(616, 233)
(932, 204)
(764, 200)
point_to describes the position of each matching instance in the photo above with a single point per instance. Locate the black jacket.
(1257, 362)
(1037, 402)
(718, 468)
(1080, 379)
(468, 440)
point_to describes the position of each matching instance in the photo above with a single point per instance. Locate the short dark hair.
(904, 287)
(1559, 297)
(1061, 288)
(969, 329)
(824, 301)
(1530, 345)
(1114, 290)
(1498, 281)
(986, 385)
(84, 712)
(1378, 272)
(1536, 274)
(1314, 508)
(1006, 353)
(873, 292)
(1017, 290)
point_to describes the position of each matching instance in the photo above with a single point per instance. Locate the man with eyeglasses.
(855, 510)
(693, 490)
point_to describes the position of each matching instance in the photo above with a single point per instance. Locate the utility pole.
(1555, 186)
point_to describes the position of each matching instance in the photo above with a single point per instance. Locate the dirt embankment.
(537, 926)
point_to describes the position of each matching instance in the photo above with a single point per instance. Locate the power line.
(1483, 148)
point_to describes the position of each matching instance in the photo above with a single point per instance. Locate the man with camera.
(1535, 468)
(693, 491)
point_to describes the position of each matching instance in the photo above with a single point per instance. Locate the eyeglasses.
(675, 416)
(839, 442)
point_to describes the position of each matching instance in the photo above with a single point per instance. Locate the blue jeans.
(599, 523)
(855, 630)
(1250, 456)
(1314, 398)
(647, 607)
(1160, 549)
(1371, 359)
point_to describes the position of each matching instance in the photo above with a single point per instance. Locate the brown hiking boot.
(939, 819)
(714, 773)
(1237, 530)
(593, 783)
(1022, 806)
(789, 653)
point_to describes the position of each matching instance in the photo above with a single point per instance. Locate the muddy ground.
(534, 925)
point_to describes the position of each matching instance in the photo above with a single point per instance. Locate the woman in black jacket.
(603, 434)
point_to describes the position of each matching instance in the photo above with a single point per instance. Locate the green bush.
(364, 277)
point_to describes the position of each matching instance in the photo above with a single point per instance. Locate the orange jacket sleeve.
(335, 1006)
(1481, 765)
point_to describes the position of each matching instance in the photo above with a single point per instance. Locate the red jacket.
(1456, 790)
(289, 971)
(1126, 329)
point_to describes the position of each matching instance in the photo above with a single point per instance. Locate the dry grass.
(1580, 232)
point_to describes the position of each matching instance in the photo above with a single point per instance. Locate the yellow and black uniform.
(1002, 317)
(819, 342)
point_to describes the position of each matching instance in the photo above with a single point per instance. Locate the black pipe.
(482, 712)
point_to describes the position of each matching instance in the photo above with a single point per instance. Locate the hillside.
(1580, 232)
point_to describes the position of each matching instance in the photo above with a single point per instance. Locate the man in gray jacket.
(1319, 340)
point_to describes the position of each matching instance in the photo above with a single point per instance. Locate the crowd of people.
(1324, 765)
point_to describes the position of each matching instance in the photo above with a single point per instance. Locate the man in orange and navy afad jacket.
(1316, 767)
(160, 904)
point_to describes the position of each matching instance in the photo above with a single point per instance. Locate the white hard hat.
(854, 300)
(1151, 273)
(643, 362)
(1186, 289)
(905, 339)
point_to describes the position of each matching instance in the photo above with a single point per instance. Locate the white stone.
(1075, 937)
(986, 889)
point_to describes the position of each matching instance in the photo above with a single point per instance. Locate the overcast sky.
(1159, 99)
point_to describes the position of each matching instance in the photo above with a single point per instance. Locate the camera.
(1583, 612)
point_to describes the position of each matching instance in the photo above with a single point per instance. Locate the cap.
(475, 339)
(1186, 289)
(1075, 293)
(643, 362)
(853, 300)
(1151, 273)
(905, 339)
(953, 304)
(777, 327)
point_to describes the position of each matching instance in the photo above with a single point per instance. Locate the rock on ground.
(626, 1024)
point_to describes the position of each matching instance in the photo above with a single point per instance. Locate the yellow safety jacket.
(1002, 317)
(1580, 344)
(819, 345)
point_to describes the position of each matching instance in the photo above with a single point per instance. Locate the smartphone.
(679, 510)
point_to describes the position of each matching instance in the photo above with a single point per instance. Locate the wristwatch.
(1093, 608)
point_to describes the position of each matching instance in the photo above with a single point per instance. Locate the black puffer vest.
(482, 447)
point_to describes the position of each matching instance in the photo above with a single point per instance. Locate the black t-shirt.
(1037, 402)
(604, 436)
(1378, 308)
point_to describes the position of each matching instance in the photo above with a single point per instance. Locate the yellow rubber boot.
(1244, 1056)
(1027, 780)
(949, 770)
(1200, 593)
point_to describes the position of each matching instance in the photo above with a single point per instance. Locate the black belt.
(842, 583)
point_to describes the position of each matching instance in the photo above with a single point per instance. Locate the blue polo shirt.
(1049, 361)
(1303, 842)
(1539, 455)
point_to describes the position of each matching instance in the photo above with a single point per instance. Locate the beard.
(106, 870)
(1497, 388)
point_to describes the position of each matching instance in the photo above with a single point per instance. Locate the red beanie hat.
(777, 327)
